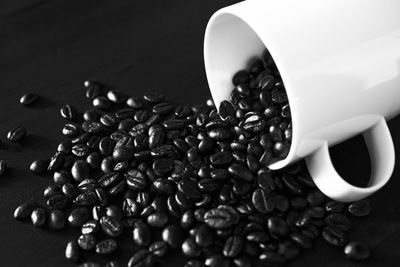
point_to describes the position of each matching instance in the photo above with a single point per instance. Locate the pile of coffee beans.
(187, 179)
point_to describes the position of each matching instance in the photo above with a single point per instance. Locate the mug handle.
(381, 150)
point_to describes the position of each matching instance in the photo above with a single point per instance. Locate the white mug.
(340, 63)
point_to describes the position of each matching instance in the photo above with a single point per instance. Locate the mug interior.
(229, 46)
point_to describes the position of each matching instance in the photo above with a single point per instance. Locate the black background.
(51, 47)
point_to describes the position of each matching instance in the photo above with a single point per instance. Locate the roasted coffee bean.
(189, 189)
(281, 150)
(173, 236)
(109, 179)
(111, 264)
(78, 216)
(193, 263)
(226, 111)
(90, 115)
(187, 219)
(153, 97)
(92, 127)
(3, 166)
(220, 218)
(233, 246)
(221, 159)
(130, 208)
(204, 236)
(68, 112)
(24, 211)
(102, 103)
(16, 134)
(86, 199)
(90, 227)
(80, 150)
(51, 190)
(241, 173)
(301, 240)
(111, 226)
(134, 102)
(316, 198)
(80, 170)
(292, 185)
(277, 227)
(72, 251)
(57, 202)
(360, 208)
(71, 130)
(334, 236)
(94, 160)
(28, 99)
(339, 221)
(38, 166)
(163, 166)
(107, 165)
(217, 260)
(136, 180)
(142, 258)
(87, 241)
(89, 264)
(38, 217)
(357, 251)
(220, 134)
(190, 248)
(271, 258)
(262, 201)
(141, 234)
(334, 206)
(106, 247)
(116, 96)
(240, 77)
(159, 248)
(157, 219)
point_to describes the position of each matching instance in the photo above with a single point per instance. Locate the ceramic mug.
(340, 63)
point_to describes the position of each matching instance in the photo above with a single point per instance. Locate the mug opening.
(229, 46)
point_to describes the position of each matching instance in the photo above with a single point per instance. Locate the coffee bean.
(334, 206)
(277, 227)
(193, 263)
(102, 103)
(16, 134)
(334, 236)
(28, 99)
(292, 185)
(189, 189)
(136, 180)
(92, 127)
(68, 112)
(111, 226)
(87, 241)
(173, 235)
(163, 166)
(339, 221)
(240, 172)
(157, 219)
(106, 247)
(360, 208)
(142, 258)
(90, 227)
(78, 216)
(204, 236)
(86, 199)
(141, 234)
(24, 211)
(158, 248)
(111, 264)
(38, 217)
(240, 77)
(72, 251)
(80, 150)
(80, 170)
(220, 134)
(116, 96)
(221, 159)
(219, 218)
(51, 190)
(233, 246)
(190, 249)
(134, 102)
(71, 130)
(89, 264)
(271, 258)
(216, 260)
(263, 202)
(130, 208)
(90, 115)
(3, 166)
(357, 251)
(57, 202)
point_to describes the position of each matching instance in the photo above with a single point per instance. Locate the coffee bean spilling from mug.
(187, 178)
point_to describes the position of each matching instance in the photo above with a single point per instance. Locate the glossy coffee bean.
(29, 99)
(357, 251)
(80, 170)
(262, 201)
(87, 241)
(111, 226)
(360, 208)
(72, 251)
(38, 217)
(233, 246)
(141, 234)
(142, 258)
(190, 248)
(136, 180)
(90, 227)
(106, 246)
(158, 248)
(157, 219)
(38, 166)
(334, 236)
(78, 216)
(68, 112)
(173, 236)
(16, 134)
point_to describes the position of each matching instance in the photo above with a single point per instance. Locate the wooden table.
(51, 47)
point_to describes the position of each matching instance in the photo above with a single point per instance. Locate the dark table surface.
(51, 47)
